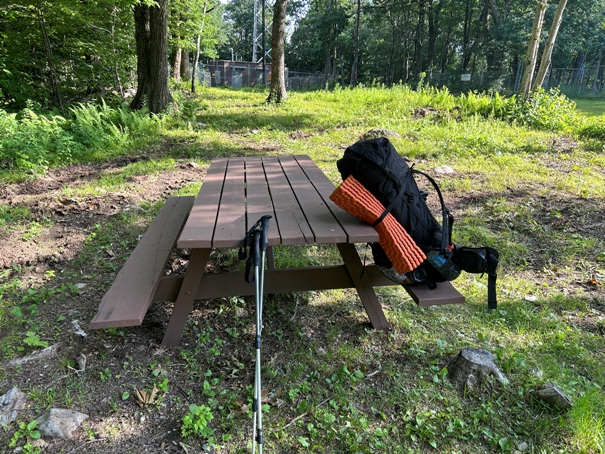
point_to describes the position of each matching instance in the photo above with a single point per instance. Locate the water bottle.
(448, 269)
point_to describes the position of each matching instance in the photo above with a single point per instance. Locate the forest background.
(60, 52)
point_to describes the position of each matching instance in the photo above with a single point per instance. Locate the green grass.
(332, 383)
(592, 107)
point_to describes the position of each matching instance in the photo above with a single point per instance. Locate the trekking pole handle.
(264, 225)
(255, 247)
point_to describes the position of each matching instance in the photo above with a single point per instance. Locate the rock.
(60, 423)
(471, 366)
(41, 354)
(77, 329)
(81, 361)
(377, 133)
(444, 170)
(554, 396)
(10, 404)
(39, 443)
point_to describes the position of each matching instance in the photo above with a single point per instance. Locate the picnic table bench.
(235, 193)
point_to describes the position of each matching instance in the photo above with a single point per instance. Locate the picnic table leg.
(184, 302)
(364, 288)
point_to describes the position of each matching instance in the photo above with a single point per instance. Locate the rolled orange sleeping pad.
(399, 247)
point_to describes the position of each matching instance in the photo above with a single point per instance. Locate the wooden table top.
(237, 191)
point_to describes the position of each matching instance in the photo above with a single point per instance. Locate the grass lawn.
(330, 383)
(591, 106)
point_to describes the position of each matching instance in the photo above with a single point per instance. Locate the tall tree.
(550, 44)
(277, 91)
(532, 49)
(208, 36)
(151, 33)
(354, 67)
(419, 39)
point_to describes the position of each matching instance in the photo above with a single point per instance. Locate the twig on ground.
(306, 413)
(295, 309)
(85, 444)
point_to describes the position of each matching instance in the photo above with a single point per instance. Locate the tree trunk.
(54, 80)
(355, 65)
(176, 65)
(466, 33)
(434, 16)
(596, 75)
(159, 93)
(419, 39)
(141, 25)
(277, 92)
(185, 66)
(532, 49)
(151, 33)
(495, 12)
(196, 58)
(550, 43)
(328, 48)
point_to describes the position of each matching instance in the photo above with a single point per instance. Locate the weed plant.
(32, 142)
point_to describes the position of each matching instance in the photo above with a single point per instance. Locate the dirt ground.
(96, 390)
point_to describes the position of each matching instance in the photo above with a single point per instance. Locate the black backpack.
(384, 173)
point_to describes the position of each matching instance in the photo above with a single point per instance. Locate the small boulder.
(378, 133)
(60, 423)
(10, 404)
(554, 396)
(444, 170)
(471, 366)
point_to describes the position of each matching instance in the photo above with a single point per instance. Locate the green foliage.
(544, 109)
(32, 339)
(594, 130)
(195, 423)
(31, 143)
(26, 431)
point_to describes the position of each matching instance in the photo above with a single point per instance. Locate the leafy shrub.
(195, 423)
(487, 105)
(595, 130)
(32, 142)
(544, 109)
(35, 142)
(93, 126)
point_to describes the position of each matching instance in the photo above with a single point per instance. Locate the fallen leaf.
(144, 397)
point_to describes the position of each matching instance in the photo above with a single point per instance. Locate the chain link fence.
(582, 82)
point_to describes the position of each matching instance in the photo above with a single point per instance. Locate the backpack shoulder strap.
(447, 218)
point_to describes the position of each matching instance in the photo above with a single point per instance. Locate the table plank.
(289, 217)
(321, 220)
(199, 228)
(258, 199)
(357, 230)
(231, 220)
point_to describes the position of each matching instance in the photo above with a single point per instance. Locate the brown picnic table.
(235, 193)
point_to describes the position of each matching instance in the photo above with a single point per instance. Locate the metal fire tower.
(259, 41)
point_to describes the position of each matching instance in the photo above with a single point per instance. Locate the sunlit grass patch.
(147, 167)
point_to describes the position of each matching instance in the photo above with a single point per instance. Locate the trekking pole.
(264, 241)
(257, 425)
(262, 244)
(256, 240)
